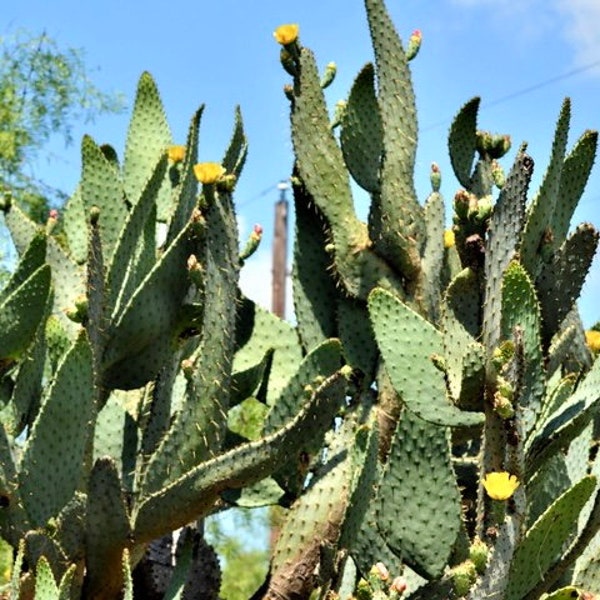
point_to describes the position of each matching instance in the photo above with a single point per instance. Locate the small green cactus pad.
(575, 173)
(364, 469)
(252, 382)
(21, 313)
(237, 151)
(141, 339)
(29, 382)
(257, 331)
(462, 141)
(418, 508)
(544, 541)
(358, 341)
(361, 136)
(407, 342)
(540, 211)
(101, 189)
(314, 288)
(116, 433)
(68, 277)
(322, 362)
(521, 311)
(194, 494)
(45, 584)
(186, 192)
(315, 521)
(568, 420)
(60, 437)
(30, 261)
(125, 270)
(74, 219)
(433, 255)
(561, 279)
(148, 136)
(402, 223)
(504, 232)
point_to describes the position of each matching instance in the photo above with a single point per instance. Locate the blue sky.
(522, 58)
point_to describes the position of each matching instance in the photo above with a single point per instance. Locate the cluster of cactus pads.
(429, 424)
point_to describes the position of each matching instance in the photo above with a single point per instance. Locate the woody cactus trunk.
(430, 424)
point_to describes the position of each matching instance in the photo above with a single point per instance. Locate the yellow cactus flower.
(449, 239)
(286, 34)
(500, 485)
(592, 339)
(208, 172)
(176, 153)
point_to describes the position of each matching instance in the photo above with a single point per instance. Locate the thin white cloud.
(581, 28)
(575, 22)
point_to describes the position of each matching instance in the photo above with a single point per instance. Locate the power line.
(259, 195)
(522, 92)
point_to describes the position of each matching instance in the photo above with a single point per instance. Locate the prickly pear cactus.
(126, 342)
(429, 424)
(466, 348)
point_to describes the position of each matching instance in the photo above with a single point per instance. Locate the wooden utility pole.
(279, 272)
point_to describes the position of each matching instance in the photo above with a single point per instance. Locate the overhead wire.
(523, 91)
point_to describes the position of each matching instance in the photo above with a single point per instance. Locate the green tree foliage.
(243, 564)
(44, 89)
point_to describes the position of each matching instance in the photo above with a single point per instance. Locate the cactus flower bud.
(347, 371)
(399, 585)
(414, 44)
(380, 571)
(449, 238)
(187, 366)
(286, 34)
(363, 590)
(498, 174)
(257, 231)
(287, 62)
(52, 221)
(339, 112)
(592, 339)
(329, 75)
(492, 145)
(252, 243)
(461, 204)
(503, 406)
(176, 154)
(435, 176)
(195, 270)
(288, 90)
(502, 354)
(463, 577)
(94, 215)
(439, 362)
(227, 182)
(209, 172)
(79, 313)
(500, 485)
(479, 553)
(505, 388)
(483, 209)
